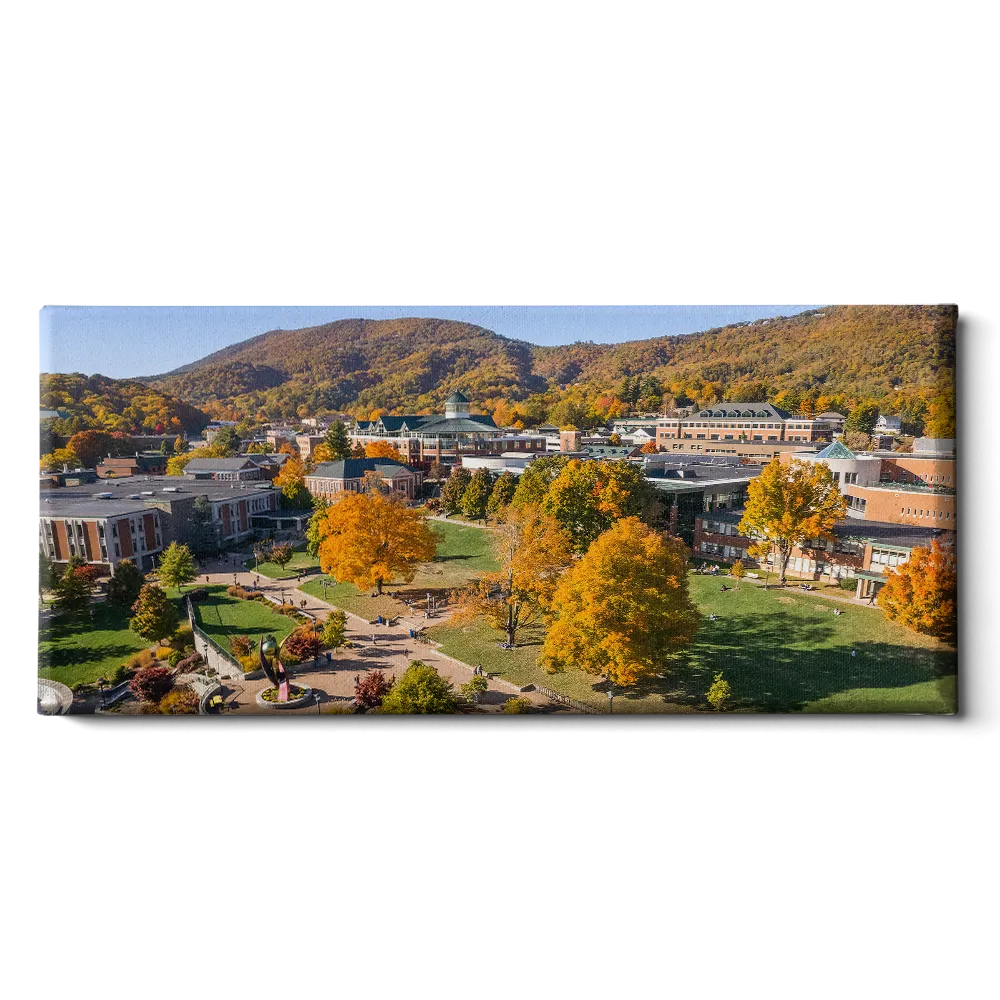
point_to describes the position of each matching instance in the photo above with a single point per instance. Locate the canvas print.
(497, 511)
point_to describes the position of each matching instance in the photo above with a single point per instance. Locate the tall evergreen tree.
(338, 442)
(477, 496)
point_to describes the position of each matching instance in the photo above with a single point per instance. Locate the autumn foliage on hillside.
(921, 593)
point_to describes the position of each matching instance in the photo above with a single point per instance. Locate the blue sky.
(128, 341)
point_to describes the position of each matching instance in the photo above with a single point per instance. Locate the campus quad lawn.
(301, 562)
(75, 648)
(463, 554)
(781, 651)
(222, 617)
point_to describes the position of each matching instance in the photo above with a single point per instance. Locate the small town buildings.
(888, 424)
(861, 550)
(307, 443)
(242, 468)
(333, 479)
(834, 419)
(424, 438)
(147, 463)
(760, 422)
(892, 487)
(158, 509)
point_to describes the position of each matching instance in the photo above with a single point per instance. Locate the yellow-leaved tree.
(787, 505)
(369, 539)
(623, 608)
(921, 593)
(531, 551)
(382, 449)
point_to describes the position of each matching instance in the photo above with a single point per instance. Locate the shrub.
(180, 701)
(183, 635)
(337, 708)
(241, 645)
(175, 657)
(248, 663)
(473, 688)
(138, 661)
(163, 652)
(151, 683)
(241, 592)
(303, 644)
(847, 583)
(189, 663)
(517, 706)
(198, 594)
(287, 609)
(420, 691)
(120, 674)
(370, 691)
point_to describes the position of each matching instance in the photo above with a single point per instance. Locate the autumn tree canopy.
(531, 551)
(383, 449)
(586, 498)
(921, 593)
(624, 608)
(787, 505)
(369, 539)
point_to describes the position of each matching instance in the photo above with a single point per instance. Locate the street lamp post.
(101, 684)
(611, 701)
(316, 696)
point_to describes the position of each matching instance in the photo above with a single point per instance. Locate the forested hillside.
(898, 357)
(124, 406)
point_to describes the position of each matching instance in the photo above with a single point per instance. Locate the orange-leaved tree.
(369, 539)
(787, 505)
(382, 449)
(531, 551)
(623, 608)
(921, 593)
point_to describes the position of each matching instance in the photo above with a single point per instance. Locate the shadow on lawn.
(68, 657)
(778, 662)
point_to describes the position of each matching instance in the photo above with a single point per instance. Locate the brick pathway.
(391, 652)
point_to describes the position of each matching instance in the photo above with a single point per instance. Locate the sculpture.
(273, 667)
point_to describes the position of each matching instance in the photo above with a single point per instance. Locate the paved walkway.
(391, 650)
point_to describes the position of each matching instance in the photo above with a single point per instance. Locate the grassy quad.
(221, 617)
(301, 562)
(80, 648)
(780, 651)
(463, 554)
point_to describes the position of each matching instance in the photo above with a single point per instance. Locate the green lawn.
(76, 648)
(222, 617)
(301, 562)
(463, 554)
(781, 651)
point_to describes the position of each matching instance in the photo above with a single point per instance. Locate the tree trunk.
(378, 587)
(785, 555)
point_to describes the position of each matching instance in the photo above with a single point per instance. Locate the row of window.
(940, 515)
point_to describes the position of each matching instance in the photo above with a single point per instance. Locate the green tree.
(437, 471)
(420, 691)
(586, 498)
(503, 493)
(201, 528)
(862, 418)
(477, 495)
(72, 590)
(517, 706)
(177, 565)
(718, 693)
(337, 441)
(474, 688)
(47, 574)
(454, 490)
(125, 584)
(180, 445)
(536, 479)
(154, 616)
(228, 442)
(320, 504)
(335, 629)
(788, 505)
